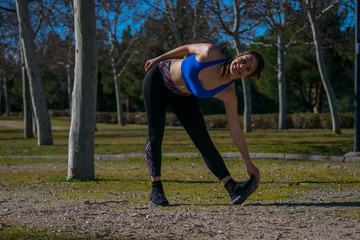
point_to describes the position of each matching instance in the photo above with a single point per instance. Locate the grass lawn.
(187, 178)
(114, 139)
(38, 203)
(295, 199)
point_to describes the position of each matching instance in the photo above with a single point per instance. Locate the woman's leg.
(155, 100)
(190, 116)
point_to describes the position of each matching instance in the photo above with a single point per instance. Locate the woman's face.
(243, 66)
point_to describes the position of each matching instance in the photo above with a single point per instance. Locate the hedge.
(259, 121)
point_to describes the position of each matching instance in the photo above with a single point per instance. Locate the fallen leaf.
(135, 214)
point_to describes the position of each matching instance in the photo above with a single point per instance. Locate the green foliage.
(268, 84)
(15, 94)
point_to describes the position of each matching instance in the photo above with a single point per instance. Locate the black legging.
(156, 98)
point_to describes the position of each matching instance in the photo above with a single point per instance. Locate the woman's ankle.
(225, 180)
(154, 179)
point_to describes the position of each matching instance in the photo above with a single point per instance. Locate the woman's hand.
(150, 63)
(253, 170)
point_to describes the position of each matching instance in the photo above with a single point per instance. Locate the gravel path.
(315, 215)
(43, 209)
(20, 125)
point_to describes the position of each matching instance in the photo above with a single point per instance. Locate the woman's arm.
(229, 98)
(197, 48)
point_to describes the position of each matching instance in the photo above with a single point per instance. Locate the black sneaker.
(157, 197)
(239, 192)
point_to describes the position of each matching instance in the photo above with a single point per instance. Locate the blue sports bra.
(190, 69)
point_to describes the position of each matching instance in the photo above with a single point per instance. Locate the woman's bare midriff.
(175, 71)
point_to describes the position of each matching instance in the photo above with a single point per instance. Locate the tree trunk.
(36, 89)
(0, 96)
(247, 105)
(127, 107)
(247, 93)
(82, 129)
(6, 97)
(281, 83)
(323, 72)
(28, 123)
(120, 111)
(119, 108)
(170, 5)
(70, 85)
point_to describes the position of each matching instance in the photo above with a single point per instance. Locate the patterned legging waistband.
(164, 67)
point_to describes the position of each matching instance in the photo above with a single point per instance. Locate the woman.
(178, 83)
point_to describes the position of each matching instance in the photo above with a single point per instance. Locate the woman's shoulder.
(209, 53)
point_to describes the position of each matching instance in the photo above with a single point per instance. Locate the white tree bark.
(82, 128)
(322, 69)
(110, 22)
(170, 5)
(0, 96)
(28, 123)
(245, 83)
(281, 83)
(36, 89)
(120, 111)
(247, 105)
(70, 85)
(6, 97)
(246, 92)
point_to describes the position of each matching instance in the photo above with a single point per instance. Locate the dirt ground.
(283, 220)
(39, 210)
(318, 214)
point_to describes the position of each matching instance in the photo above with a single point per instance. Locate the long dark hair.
(225, 69)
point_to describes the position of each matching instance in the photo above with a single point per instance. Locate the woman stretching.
(178, 83)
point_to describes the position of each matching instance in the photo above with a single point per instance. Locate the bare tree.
(239, 24)
(186, 21)
(9, 19)
(82, 129)
(28, 123)
(36, 89)
(278, 16)
(9, 10)
(7, 74)
(311, 8)
(8, 52)
(64, 14)
(169, 11)
(113, 16)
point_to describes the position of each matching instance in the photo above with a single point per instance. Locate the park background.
(313, 196)
(130, 32)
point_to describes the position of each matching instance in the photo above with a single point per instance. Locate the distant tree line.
(129, 32)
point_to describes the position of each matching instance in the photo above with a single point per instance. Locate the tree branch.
(263, 44)
(250, 27)
(222, 21)
(292, 39)
(236, 17)
(126, 51)
(156, 8)
(328, 8)
(43, 17)
(217, 13)
(8, 9)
